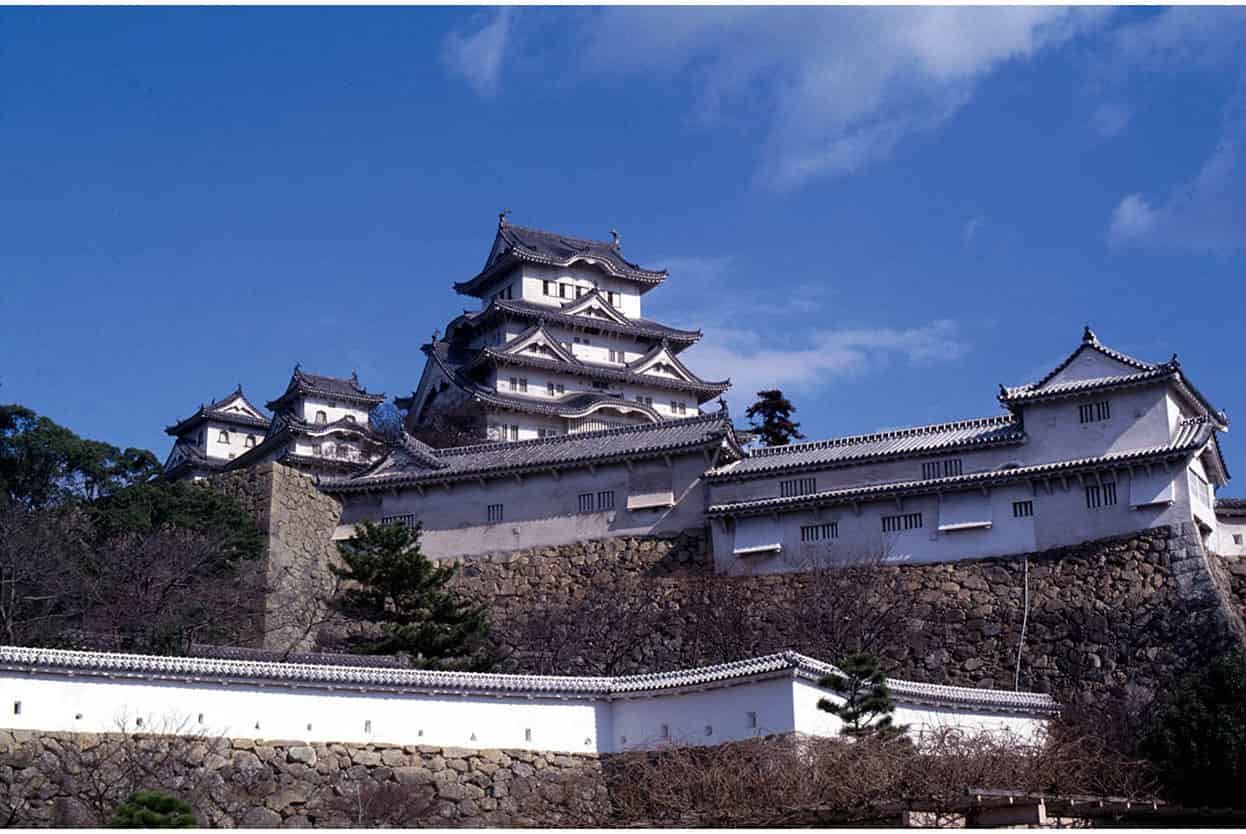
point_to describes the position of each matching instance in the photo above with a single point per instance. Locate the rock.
(260, 817)
(367, 758)
(302, 755)
(246, 760)
(413, 775)
(393, 757)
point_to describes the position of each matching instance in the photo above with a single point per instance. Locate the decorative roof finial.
(354, 377)
(239, 391)
(614, 233)
(436, 334)
(1003, 392)
(1088, 336)
(722, 406)
(1173, 361)
(502, 218)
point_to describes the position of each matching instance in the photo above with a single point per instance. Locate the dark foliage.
(1196, 739)
(394, 586)
(152, 809)
(771, 419)
(867, 706)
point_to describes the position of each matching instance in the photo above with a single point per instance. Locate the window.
(564, 291)
(494, 513)
(327, 450)
(605, 500)
(581, 340)
(586, 502)
(547, 432)
(1022, 509)
(1094, 412)
(321, 418)
(223, 437)
(948, 468)
(613, 298)
(547, 287)
(1237, 538)
(1201, 490)
(514, 431)
(617, 356)
(519, 384)
(600, 385)
(579, 291)
(819, 532)
(403, 520)
(555, 388)
(798, 486)
(1100, 495)
(249, 442)
(678, 408)
(896, 523)
(640, 398)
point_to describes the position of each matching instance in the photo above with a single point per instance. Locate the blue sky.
(885, 212)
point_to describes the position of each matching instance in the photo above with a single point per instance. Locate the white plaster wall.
(237, 444)
(1060, 518)
(1140, 420)
(539, 511)
(919, 718)
(705, 717)
(580, 275)
(594, 724)
(333, 409)
(1229, 538)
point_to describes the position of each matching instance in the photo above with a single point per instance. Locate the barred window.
(1201, 489)
(564, 291)
(941, 468)
(547, 287)
(401, 520)
(616, 356)
(1022, 509)
(514, 433)
(555, 388)
(494, 513)
(605, 500)
(896, 523)
(819, 532)
(1094, 412)
(1100, 495)
(586, 502)
(798, 486)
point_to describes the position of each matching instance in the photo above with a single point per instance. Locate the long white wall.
(711, 709)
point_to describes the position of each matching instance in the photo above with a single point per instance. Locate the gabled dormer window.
(321, 418)
(223, 437)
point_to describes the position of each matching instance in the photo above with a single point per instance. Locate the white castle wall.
(82, 692)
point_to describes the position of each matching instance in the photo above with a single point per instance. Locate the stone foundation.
(77, 780)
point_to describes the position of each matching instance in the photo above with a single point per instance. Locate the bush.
(152, 809)
(1196, 740)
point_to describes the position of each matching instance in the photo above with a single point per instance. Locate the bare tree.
(39, 550)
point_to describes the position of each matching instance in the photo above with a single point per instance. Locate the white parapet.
(92, 692)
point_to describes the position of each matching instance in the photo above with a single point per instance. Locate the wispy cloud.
(1109, 119)
(1206, 214)
(478, 55)
(838, 88)
(763, 342)
(972, 227)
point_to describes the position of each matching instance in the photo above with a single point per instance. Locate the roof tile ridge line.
(642, 324)
(973, 422)
(563, 438)
(626, 370)
(557, 235)
(1158, 370)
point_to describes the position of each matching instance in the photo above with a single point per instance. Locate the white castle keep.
(581, 422)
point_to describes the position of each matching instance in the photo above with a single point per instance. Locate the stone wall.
(299, 520)
(77, 780)
(1121, 618)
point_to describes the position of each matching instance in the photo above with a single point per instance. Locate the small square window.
(1237, 538)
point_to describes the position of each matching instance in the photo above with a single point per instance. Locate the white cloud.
(1206, 214)
(837, 88)
(1109, 119)
(972, 227)
(825, 356)
(1132, 219)
(478, 56)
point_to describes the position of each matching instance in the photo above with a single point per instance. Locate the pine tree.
(398, 588)
(152, 809)
(867, 707)
(771, 418)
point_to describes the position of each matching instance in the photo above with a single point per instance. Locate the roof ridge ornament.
(1089, 337)
(502, 218)
(616, 238)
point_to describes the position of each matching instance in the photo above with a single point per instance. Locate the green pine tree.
(771, 418)
(867, 707)
(152, 809)
(397, 587)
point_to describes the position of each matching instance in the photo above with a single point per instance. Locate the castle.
(572, 417)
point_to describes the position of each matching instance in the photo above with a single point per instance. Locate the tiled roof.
(285, 428)
(703, 389)
(413, 681)
(215, 411)
(1235, 507)
(302, 383)
(844, 451)
(1146, 372)
(531, 311)
(190, 459)
(517, 243)
(1182, 446)
(504, 459)
(569, 406)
